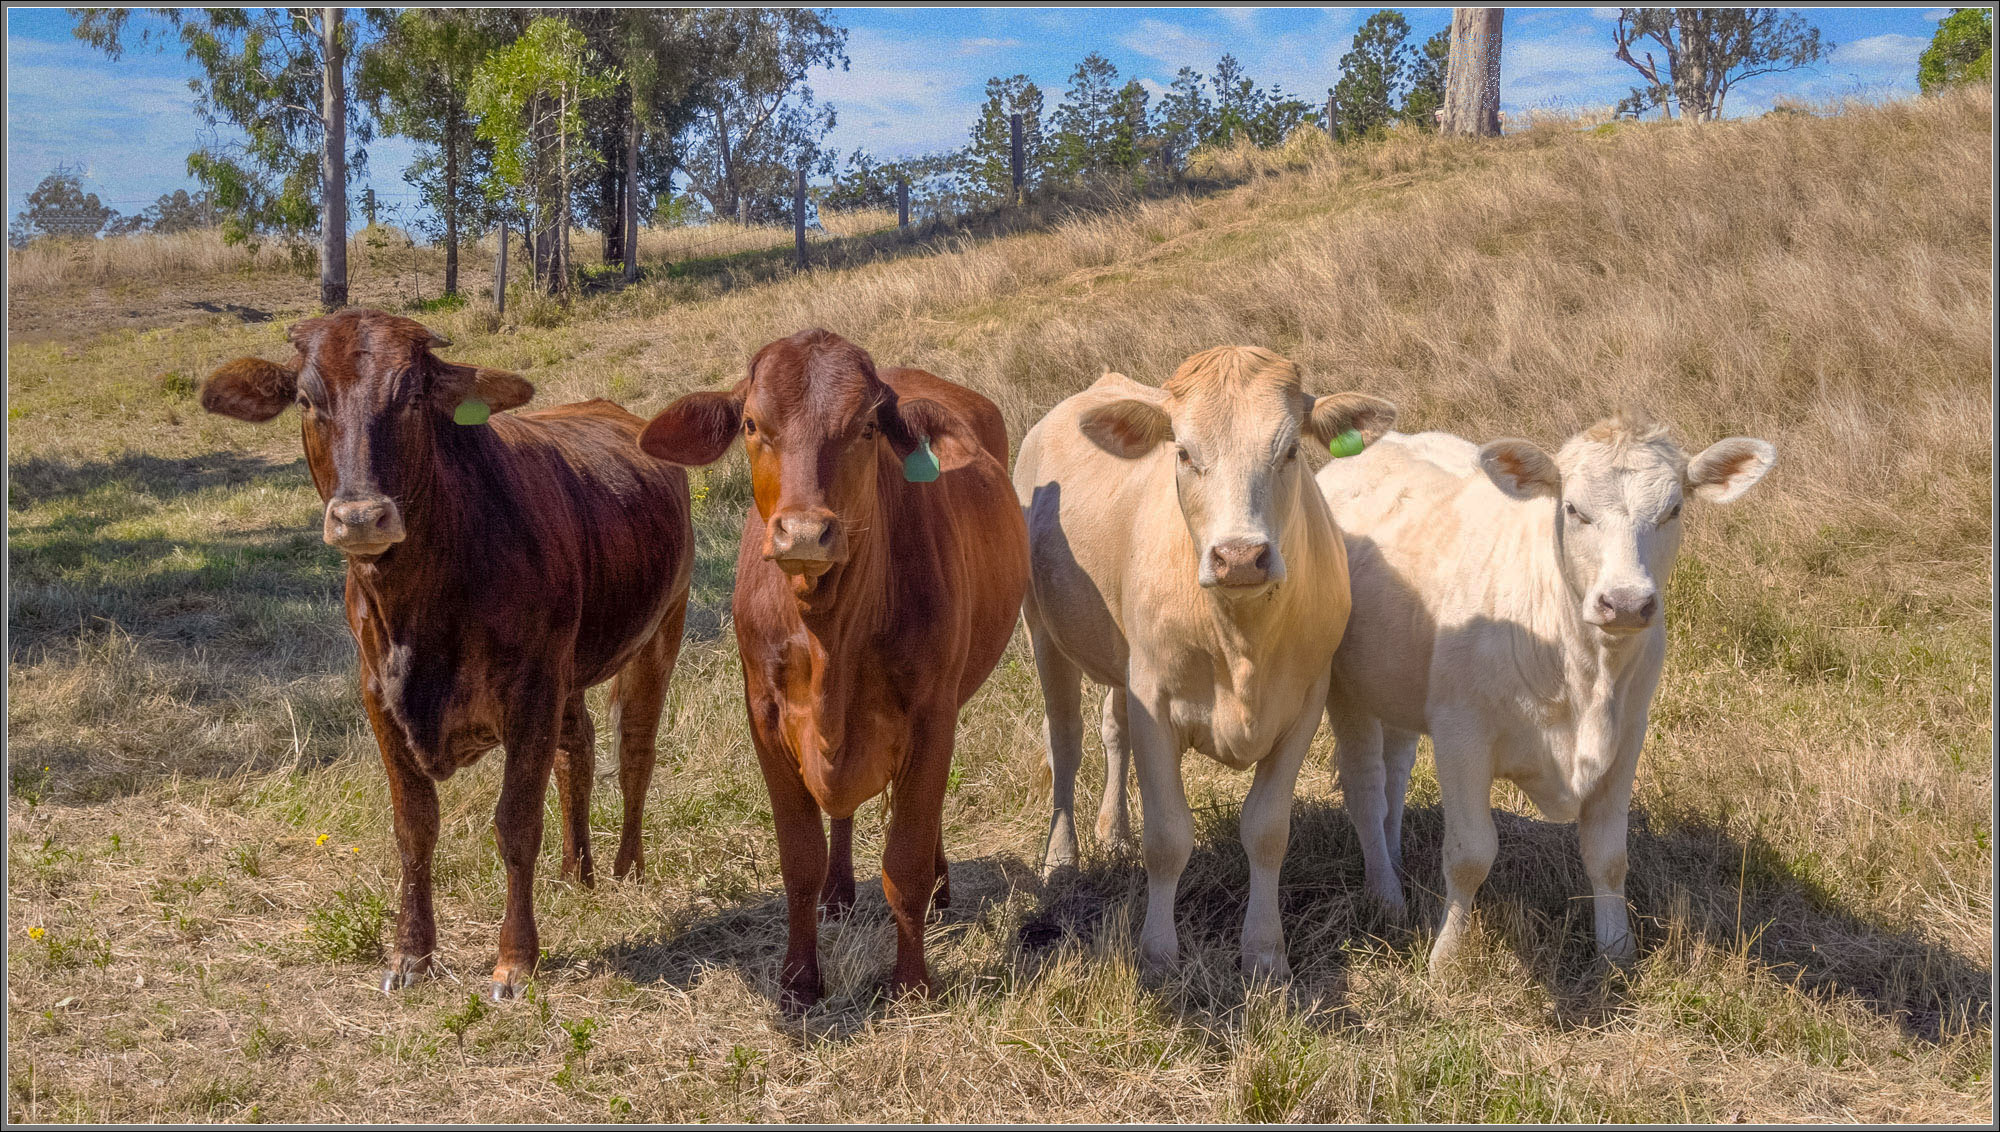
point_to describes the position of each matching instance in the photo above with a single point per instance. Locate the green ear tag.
(1348, 443)
(921, 465)
(471, 411)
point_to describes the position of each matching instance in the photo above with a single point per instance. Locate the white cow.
(1508, 604)
(1183, 558)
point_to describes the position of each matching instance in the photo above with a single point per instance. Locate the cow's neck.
(406, 588)
(1596, 667)
(845, 612)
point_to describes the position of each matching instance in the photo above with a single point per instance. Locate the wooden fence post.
(903, 202)
(799, 217)
(500, 273)
(1332, 119)
(1014, 152)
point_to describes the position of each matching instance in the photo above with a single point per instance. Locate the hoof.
(1265, 968)
(501, 992)
(629, 868)
(795, 998)
(404, 973)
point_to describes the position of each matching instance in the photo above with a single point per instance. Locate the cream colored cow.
(1183, 558)
(1508, 604)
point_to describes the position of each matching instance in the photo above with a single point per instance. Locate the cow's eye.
(1186, 460)
(1570, 509)
(868, 431)
(1671, 515)
(1291, 453)
(749, 427)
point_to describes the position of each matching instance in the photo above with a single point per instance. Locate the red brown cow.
(495, 570)
(868, 608)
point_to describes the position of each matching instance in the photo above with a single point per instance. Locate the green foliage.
(1373, 76)
(348, 927)
(1704, 52)
(1427, 75)
(58, 207)
(1960, 52)
(987, 160)
(261, 75)
(528, 99)
(758, 122)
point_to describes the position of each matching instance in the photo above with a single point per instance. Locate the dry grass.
(1812, 853)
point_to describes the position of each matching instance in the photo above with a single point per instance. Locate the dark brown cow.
(868, 609)
(494, 571)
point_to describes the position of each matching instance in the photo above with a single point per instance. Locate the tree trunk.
(732, 192)
(1472, 75)
(333, 166)
(611, 192)
(1691, 69)
(631, 256)
(452, 142)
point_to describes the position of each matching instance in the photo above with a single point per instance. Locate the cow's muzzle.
(363, 526)
(1239, 564)
(1625, 609)
(805, 542)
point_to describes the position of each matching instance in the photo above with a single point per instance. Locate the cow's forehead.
(360, 348)
(1636, 473)
(826, 381)
(1234, 391)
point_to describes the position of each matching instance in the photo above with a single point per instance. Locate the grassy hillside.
(199, 852)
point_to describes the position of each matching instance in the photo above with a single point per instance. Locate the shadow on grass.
(1534, 902)
(39, 480)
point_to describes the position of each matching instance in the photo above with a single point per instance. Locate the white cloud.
(1565, 70)
(977, 45)
(896, 100)
(1887, 50)
(1171, 44)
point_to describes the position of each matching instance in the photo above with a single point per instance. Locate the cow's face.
(817, 425)
(1237, 422)
(1619, 489)
(371, 397)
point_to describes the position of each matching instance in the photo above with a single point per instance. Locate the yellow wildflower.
(36, 933)
(320, 840)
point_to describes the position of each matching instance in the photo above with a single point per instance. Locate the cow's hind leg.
(1399, 758)
(1062, 707)
(576, 761)
(1114, 825)
(1357, 740)
(941, 894)
(638, 696)
(836, 892)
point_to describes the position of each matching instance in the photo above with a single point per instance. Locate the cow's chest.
(844, 722)
(446, 709)
(1231, 712)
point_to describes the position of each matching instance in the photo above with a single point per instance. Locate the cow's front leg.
(802, 859)
(1167, 839)
(533, 722)
(414, 802)
(1601, 831)
(1266, 827)
(914, 848)
(1465, 786)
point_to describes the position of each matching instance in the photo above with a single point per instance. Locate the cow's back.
(598, 518)
(1080, 542)
(1435, 553)
(960, 539)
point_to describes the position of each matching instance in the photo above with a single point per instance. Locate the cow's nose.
(803, 538)
(1240, 562)
(363, 523)
(1628, 607)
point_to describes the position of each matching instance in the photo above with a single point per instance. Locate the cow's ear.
(1336, 413)
(1520, 469)
(250, 389)
(496, 388)
(1728, 468)
(695, 430)
(906, 422)
(1128, 427)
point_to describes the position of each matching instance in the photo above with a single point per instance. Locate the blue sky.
(917, 76)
